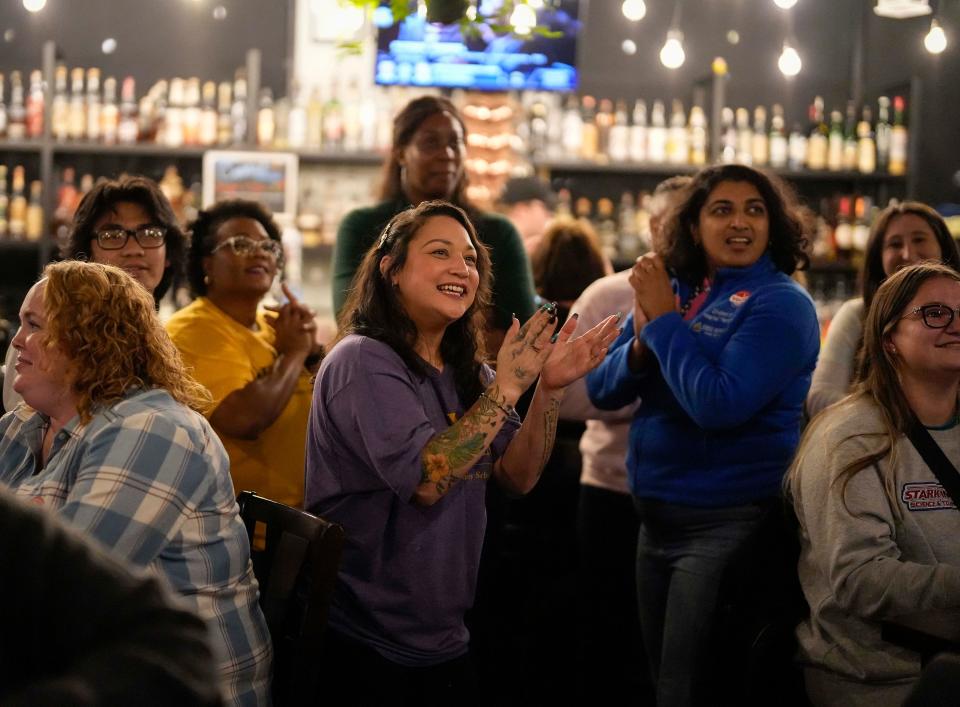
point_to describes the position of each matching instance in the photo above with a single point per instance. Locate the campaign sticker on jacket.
(926, 496)
(738, 298)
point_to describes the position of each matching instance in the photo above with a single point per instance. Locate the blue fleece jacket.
(720, 417)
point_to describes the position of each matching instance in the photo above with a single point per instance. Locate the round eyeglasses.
(146, 237)
(935, 316)
(247, 247)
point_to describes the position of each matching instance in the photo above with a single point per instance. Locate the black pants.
(356, 675)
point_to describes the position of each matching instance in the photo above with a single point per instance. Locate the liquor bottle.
(266, 126)
(238, 111)
(93, 105)
(629, 246)
(368, 122)
(843, 233)
(760, 144)
(224, 125)
(898, 139)
(297, 119)
(333, 120)
(638, 131)
(315, 119)
(3, 111)
(779, 148)
(883, 133)
(744, 137)
(866, 146)
(17, 113)
(678, 144)
(281, 123)
(657, 133)
(572, 128)
(797, 148)
(619, 146)
(604, 124)
(698, 136)
(818, 141)
(564, 209)
(110, 112)
(17, 215)
(67, 197)
(591, 138)
(128, 129)
(607, 229)
(77, 111)
(191, 111)
(172, 122)
(209, 118)
(60, 110)
(728, 136)
(850, 138)
(34, 105)
(835, 142)
(34, 214)
(861, 227)
(151, 113)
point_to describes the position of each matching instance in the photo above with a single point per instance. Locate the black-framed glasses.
(247, 247)
(935, 316)
(146, 237)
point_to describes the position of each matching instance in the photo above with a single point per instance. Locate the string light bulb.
(789, 62)
(784, 4)
(34, 5)
(672, 55)
(634, 10)
(935, 41)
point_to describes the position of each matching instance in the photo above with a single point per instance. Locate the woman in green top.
(426, 162)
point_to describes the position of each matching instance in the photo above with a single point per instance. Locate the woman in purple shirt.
(406, 426)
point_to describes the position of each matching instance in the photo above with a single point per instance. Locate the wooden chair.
(296, 570)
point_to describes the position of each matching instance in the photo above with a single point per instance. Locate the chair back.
(296, 569)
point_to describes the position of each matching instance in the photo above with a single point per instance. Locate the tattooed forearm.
(550, 418)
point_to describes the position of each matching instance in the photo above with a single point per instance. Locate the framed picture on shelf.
(267, 177)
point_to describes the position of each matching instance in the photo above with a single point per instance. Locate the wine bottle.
(898, 139)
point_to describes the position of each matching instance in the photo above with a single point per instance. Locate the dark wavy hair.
(566, 260)
(374, 309)
(787, 236)
(873, 275)
(405, 125)
(143, 192)
(203, 231)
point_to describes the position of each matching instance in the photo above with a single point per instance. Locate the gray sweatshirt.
(863, 562)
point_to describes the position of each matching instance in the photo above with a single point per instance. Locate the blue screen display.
(418, 53)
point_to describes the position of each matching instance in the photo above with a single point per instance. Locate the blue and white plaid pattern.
(149, 479)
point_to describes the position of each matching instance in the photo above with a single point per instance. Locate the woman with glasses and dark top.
(903, 234)
(426, 162)
(126, 222)
(256, 364)
(408, 424)
(719, 348)
(878, 530)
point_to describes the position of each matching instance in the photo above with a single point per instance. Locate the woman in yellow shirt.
(254, 362)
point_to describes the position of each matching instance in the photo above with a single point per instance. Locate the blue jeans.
(682, 552)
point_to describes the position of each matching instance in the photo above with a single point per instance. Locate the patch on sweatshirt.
(738, 298)
(926, 496)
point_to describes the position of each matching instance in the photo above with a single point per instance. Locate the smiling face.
(432, 162)
(908, 240)
(239, 275)
(733, 227)
(439, 279)
(145, 265)
(921, 351)
(43, 379)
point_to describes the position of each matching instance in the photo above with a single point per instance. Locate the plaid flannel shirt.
(149, 479)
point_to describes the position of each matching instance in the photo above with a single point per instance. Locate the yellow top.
(225, 356)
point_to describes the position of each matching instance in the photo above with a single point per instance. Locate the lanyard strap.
(934, 457)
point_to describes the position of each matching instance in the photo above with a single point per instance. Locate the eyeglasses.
(247, 247)
(935, 316)
(146, 237)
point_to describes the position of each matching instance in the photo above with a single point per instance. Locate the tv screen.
(418, 53)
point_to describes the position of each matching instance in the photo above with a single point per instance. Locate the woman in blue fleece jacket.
(721, 355)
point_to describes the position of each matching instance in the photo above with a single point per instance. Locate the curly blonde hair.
(105, 324)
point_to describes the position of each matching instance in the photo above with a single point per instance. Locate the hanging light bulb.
(789, 62)
(784, 4)
(34, 5)
(936, 40)
(634, 10)
(671, 55)
(523, 19)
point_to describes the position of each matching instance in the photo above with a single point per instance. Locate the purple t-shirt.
(408, 572)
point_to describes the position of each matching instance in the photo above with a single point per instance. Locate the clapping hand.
(653, 293)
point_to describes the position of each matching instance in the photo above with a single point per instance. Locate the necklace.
(696, 292)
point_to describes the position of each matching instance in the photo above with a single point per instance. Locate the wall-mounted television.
(418, 53)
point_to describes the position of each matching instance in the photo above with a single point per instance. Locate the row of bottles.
(623, 227)
(21, 212)
(607, 131)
